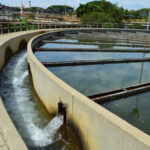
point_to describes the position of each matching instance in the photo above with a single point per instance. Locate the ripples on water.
(95, 79)
(71, 56)
(37, 127)
(134, 109)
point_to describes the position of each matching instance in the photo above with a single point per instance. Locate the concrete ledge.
(9, 136)
(99, 128)
(11, 43)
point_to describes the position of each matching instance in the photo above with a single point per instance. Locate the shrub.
(107, 25)
(136, 26)
(23, 25)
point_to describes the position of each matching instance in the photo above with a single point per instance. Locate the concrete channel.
(92, 122)
(37, 127)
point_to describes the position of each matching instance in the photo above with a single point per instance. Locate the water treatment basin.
(132, 51)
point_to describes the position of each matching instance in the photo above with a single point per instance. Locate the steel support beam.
(127, 40)
(120, 93)
(93, 62)
(92, 50)
(93, 43)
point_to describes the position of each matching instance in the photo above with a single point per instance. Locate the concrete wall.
(99, 128)
(13, 42)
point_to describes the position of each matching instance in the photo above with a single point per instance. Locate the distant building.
(6, 13)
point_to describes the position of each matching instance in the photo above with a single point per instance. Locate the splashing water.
(53, 125)
(37, 127)
(18, 97)
(46, 136)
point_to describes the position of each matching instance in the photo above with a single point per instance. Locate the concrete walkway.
(9, 136)
(3, 145)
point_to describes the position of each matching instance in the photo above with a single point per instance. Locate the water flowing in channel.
(15, 90)
(45, 136)
(37, 127)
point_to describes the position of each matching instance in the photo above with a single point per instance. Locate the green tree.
(110, 12)
(142, 13)
(60, 9)
(17, 9)
(97, 17)
(35, 9)
(137, 14)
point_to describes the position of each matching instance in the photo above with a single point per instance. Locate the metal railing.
(8, 27)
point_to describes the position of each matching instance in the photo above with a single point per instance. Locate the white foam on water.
(44, 137)
(25, 113)
(53, 125)
(21, 60)
(17, 81)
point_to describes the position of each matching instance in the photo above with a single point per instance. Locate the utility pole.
(65, 7)
(29, 3)
(148, 23)
(22, 10)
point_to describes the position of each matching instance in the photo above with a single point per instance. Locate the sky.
(128, 4)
